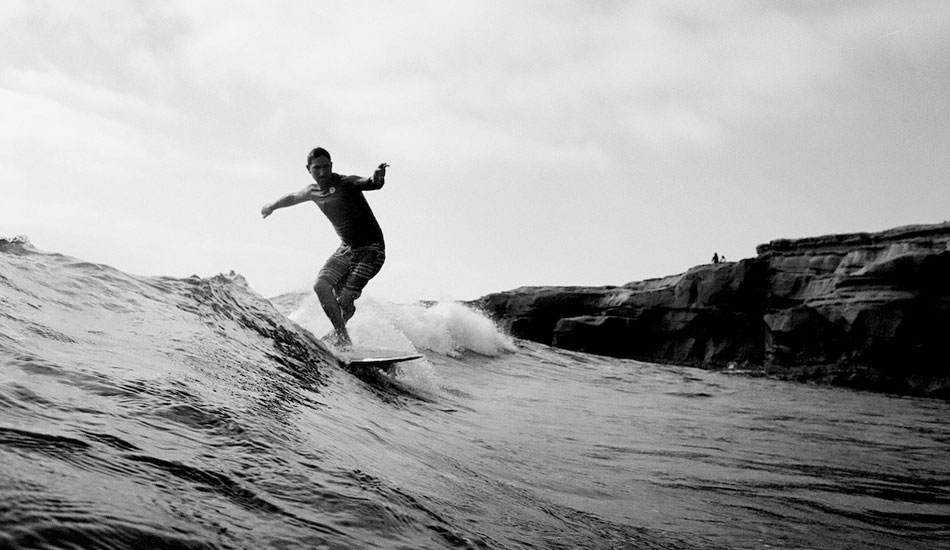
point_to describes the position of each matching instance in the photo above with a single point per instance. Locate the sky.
(542, 142)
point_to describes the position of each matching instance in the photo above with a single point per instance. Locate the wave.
(155, 402)
(192, 412)
(447, 328)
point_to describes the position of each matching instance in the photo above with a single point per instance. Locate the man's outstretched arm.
(372, 183)
(287, 200)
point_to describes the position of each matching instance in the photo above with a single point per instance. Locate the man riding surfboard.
(362, 251)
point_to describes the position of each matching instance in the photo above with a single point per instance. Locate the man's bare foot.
(338, 340)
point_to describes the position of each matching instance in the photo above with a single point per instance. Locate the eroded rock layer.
(868, 310)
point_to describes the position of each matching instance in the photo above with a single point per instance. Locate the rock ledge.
(866, 310)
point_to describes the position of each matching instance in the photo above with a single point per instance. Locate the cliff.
(867, 310)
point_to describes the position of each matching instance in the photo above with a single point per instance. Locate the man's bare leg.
(332, 308)
(346, 299)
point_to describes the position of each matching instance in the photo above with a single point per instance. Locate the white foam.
(310, 316)
(449, 328)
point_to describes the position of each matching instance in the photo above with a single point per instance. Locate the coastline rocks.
(863, 310)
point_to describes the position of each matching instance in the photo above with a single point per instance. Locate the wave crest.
(449, 328)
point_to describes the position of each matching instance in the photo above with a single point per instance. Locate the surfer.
(362, 251)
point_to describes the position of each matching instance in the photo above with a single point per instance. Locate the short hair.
(316, 153)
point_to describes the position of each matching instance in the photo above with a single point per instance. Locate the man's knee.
(324, 290)
(347, 296)
(346, 299)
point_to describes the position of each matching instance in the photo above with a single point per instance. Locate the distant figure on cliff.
(362, 251)
(715, 258)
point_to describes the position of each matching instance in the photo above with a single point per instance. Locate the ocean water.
(152, 412)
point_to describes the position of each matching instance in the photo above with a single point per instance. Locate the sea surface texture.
(153, 412)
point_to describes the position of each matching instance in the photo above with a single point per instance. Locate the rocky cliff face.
(865, 310)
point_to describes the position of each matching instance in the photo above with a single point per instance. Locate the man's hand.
(379, 176)
(267, 210)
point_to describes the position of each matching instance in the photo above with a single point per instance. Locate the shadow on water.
(389, 387)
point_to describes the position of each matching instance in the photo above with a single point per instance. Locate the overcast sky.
(530, 142)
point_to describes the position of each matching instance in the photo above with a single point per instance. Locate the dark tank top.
(350, 214)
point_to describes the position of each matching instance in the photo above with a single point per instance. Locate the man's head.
(315, 153)
(319, 164)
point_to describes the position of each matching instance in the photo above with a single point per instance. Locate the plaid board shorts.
(352, 268)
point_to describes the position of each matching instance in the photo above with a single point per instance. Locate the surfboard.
(357, 359)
